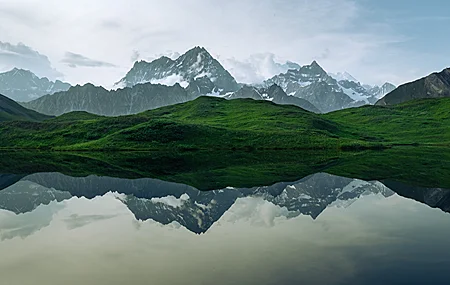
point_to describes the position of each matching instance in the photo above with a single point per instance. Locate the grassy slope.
(425, 122)
(213, 123)
(11, 111)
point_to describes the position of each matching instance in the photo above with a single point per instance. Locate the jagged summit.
(327, 91)
(195, 63)
(315, 64)
(312, 83)
(21, 71)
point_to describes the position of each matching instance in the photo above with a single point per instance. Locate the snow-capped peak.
(192, 65)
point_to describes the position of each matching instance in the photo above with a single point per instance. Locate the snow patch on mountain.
(354, 185)
(355, 95)
(170, 80)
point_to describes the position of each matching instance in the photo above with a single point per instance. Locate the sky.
(98, 41)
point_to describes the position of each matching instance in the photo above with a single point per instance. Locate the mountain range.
(23, 85)
(199, 74)
(164, 82)
(146, 96)
(99, 101)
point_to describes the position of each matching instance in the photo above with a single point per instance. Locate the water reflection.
(322, 229)
(166, 202)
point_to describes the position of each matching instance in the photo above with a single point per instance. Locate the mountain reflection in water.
(322, 223)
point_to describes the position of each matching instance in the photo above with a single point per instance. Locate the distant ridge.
(99, 101)
(23, 85)
(435, 85)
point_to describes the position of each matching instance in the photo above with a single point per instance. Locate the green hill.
(424, 121)
(11, 111)
(217, 124)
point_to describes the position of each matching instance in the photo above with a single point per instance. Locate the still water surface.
(323, 229)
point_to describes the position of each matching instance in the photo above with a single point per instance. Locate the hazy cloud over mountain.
(74, 60)
(256, 68)
(24, 57)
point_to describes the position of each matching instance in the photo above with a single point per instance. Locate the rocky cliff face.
(98, 100)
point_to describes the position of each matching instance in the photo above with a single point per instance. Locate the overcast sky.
(97, 41)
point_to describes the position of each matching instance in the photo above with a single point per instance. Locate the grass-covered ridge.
(424, 121)
(216, 124)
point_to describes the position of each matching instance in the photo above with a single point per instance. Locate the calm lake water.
(322, 229)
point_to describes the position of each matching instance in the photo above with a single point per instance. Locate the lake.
(319, 229)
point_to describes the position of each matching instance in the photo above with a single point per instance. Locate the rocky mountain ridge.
(435, 85)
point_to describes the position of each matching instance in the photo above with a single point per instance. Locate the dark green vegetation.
(205, 123)
(420, 166)
(10, 110)
(425, 167)
(436, 85)
(217, 124)
(203, 170)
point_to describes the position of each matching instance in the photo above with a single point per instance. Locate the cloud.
(257, 211)
(110, 24)
(23, 14)
(76, 221)
(256, 68)
(342, 34)
(23, 56)
(136, 55)
(75, 60)
(24, 225)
